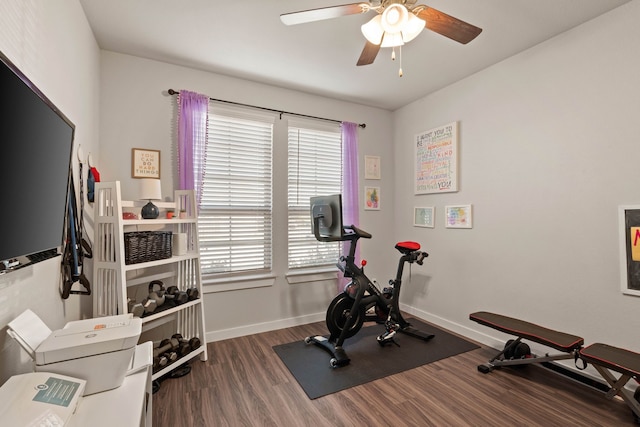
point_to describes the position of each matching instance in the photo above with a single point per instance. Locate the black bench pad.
(554, 339)
(614, 358)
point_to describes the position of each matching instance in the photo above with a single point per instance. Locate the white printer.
(98, 350)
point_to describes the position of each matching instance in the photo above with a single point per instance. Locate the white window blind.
(235, 217)
(314, 169)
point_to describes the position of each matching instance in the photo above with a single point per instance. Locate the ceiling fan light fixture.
(392, 40)
(372, 30)
(394, 18)
(413, 27)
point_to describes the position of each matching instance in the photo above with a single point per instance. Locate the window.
(235, 217)
(314, 169)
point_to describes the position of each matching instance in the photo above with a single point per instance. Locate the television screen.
(37, 141)
(327, 210)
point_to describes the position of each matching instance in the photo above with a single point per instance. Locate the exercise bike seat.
(407, 247)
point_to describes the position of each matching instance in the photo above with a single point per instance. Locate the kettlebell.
(157, 295)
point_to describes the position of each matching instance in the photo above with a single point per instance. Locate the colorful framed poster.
(371, 167)
(459, 216)
(436, 160)
(629, 225)
(423, 217)
(372, 198)
(145, 163)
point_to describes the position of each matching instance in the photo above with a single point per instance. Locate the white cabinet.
(115, 281)
(128, 405)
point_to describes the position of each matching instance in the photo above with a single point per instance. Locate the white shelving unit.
(114, 281)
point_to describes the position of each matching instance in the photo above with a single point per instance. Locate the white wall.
(136, 111)
(52, 44)
(548, 151)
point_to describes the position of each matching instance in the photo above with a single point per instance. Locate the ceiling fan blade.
(311, 15)
(449, 26)
(368, 54)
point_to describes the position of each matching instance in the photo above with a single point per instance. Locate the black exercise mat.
(309, 363)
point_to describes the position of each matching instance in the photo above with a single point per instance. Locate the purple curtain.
(192, 140)
(350, 186)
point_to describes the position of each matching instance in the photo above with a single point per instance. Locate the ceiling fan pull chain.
(393, 53)
(400, 70)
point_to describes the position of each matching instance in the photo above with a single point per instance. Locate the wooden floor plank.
(244, 383)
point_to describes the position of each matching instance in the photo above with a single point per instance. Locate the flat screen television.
(328, 211)
(37, 142)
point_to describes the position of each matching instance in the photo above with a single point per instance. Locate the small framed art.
(372, 198)
(423, 217)
(145, 163)
(459, 216)
(371, 167)
(629, 225)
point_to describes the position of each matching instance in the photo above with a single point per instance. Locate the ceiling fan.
(397, 22)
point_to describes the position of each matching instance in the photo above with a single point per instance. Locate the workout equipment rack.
(116, 282)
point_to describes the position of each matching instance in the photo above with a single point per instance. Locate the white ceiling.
(246, 39)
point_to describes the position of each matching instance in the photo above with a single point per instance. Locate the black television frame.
(34, 204)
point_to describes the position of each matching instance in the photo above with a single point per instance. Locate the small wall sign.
(145, 163)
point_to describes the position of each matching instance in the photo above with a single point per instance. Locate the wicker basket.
(145, 246)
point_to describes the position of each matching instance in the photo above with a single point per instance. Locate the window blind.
(235, 218)
(314, 169)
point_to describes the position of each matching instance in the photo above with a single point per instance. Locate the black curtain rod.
(362, 125)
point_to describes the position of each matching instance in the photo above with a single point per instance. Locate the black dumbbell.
(187, 346)
(165, 346)
(165, 353)
(160, 362)
(176, 295)
(193, 293)
(160, 358)
(183, 348)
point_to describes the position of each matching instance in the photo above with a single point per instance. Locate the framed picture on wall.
(145, 163)
(459, 216)
(629, 225)
(371, 167)
(423, 217)
(372, 198)
(436, 160)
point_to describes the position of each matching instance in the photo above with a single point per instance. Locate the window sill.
(238, 283)
(311, 275)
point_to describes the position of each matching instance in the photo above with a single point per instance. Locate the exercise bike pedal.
(387, 338)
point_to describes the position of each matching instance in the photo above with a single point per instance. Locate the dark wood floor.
(244, 383)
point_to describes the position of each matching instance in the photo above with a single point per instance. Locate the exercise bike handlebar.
(349, 232)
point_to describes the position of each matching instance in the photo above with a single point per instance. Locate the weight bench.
(603, 357)
(514, 353)
(606, 358)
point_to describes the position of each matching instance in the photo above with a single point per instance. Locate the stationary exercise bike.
(361, 299)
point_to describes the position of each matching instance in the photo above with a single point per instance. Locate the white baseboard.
(257, 328)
